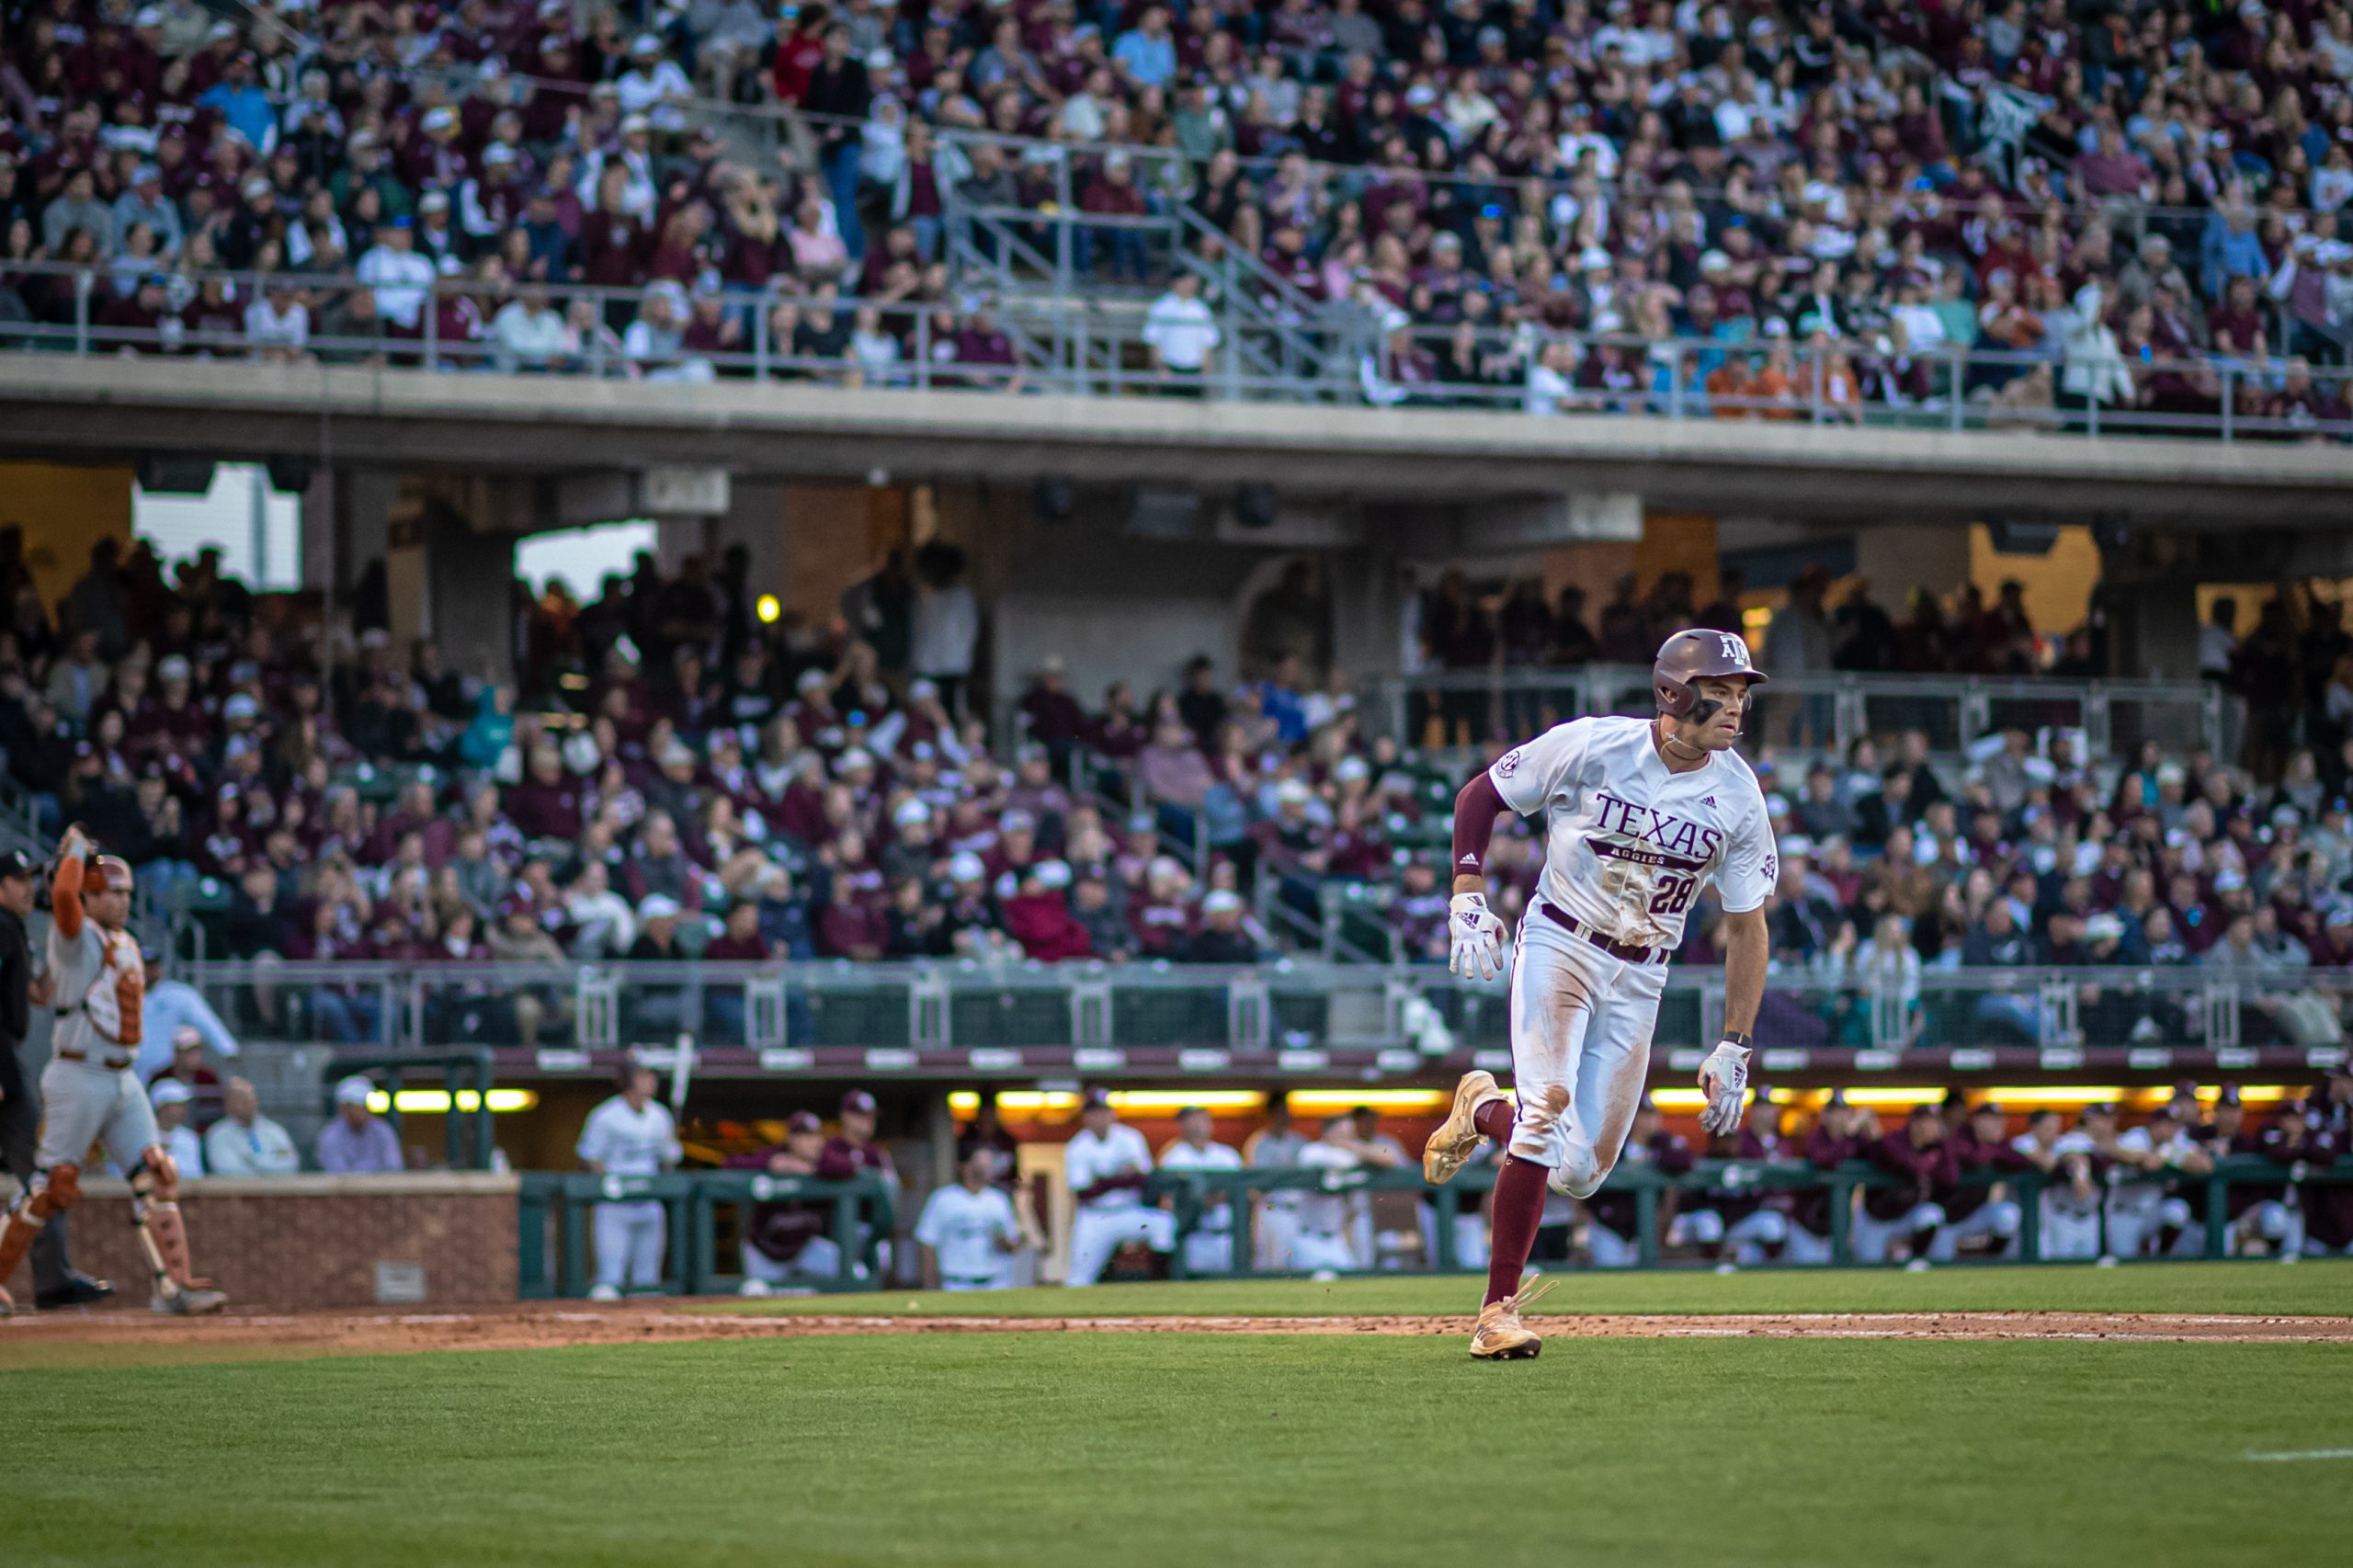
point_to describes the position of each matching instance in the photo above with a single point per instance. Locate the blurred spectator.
(244, 1143)
(171, 1100)
(968, 1232)
(356, 1141)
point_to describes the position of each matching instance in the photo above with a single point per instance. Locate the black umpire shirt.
(16, 1013)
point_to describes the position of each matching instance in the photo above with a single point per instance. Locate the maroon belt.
(1628, 952)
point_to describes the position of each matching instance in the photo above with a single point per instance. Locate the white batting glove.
(1478, 950)
(1724, 1076)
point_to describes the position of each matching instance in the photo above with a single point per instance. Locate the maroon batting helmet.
(1690, 657)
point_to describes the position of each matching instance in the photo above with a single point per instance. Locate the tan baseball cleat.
(1500, 1335)
(1457, 1138)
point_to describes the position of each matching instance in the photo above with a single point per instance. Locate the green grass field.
(1169, 1448)
(2321, 1288)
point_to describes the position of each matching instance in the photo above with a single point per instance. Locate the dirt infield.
(541, 1325)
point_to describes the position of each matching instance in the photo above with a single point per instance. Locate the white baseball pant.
(82, 1101)
(1609, 1249)
(2136, 1218)
(1802, 1245)
(1097, 1233)
(2273, 1222)
(1580, 1021)
(2069, 1228)
(1872, 1237)
(1277, 1229)
(1750, 1235)
(819, 1258)
(630, 1239)
(1998, 1218)
(1210, 1249)
(1315, 1251)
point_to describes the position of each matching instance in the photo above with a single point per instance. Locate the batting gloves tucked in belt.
(1478, 949)
(1725, 1077)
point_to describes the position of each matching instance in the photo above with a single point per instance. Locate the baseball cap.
(804, 1122)
(1095, 1098)
(17, 863)
(187, 1036)
(1220, 900)
(353, 1090)
(168, 1091)
(173, 666)
(858, 1102)
(1053, 874)
(911, 813)
(658, 906)
(1017, 821)
(966, 867)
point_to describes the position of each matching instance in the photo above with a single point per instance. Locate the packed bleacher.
(2134, 206)
(674, 780)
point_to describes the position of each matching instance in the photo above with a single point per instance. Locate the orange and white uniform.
(88, 1090)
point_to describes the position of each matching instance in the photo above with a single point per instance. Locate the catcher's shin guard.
(155, 1214)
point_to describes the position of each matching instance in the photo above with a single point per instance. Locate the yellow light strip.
(1678, 1099)
(1032, 1102)
(1327, 1102)
(1921, 1095)
(435, 1102)
(2054, 1094)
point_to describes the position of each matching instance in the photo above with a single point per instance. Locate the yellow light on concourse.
(1174, 1100)
(1678, 1099)
(2011, 1098)
(1328, 1102)
(767, 609)
(963, 1102)
(1921, 1095)
(435, 1102)
(2256, 1094)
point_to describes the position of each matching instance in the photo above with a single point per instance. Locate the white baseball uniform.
(2137, 1211)
(964, 1228)
(2070, 1225)
(1103, 1222)
(1277, 1211)
(1628, 845)
(88, 1091)
(631, 1236)
(1209, 1248)
(1322, 1239)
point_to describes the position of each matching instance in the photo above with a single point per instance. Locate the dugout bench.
(553, 1208)
(1190, 1192)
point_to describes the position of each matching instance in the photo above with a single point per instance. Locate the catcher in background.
(89, 1090)
(1639, 815)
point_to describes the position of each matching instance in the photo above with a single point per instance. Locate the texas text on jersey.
(1629, 843)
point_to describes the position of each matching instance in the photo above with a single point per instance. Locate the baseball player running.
(88, 1088)
(1639, 814)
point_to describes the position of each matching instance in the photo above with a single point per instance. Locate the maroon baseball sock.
(1495, 1120)
(1520, 1208)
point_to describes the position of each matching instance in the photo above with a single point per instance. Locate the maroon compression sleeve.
(1475, 811)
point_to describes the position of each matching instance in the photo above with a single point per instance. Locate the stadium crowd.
(673, 779)
(2130, 198)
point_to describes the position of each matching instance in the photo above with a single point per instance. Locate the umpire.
(55, 1283)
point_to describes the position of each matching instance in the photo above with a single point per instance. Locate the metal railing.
(1819, 1014)
(555, 1207)
(1832, 709)
(1241, 1193)
(1267, 356)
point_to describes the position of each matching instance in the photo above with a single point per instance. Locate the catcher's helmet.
(106, 873)
(1690, 657)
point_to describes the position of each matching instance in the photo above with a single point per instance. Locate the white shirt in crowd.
(400, 279)
(232, 1149)
(1182, 330)
(629, 1143)
(964, 1227)
(1088, 1159)
(187, 1151)
(1629, 844)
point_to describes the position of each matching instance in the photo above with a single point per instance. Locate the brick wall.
(313, 1240)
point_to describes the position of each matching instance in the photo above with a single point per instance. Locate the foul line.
(2301, 1454)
